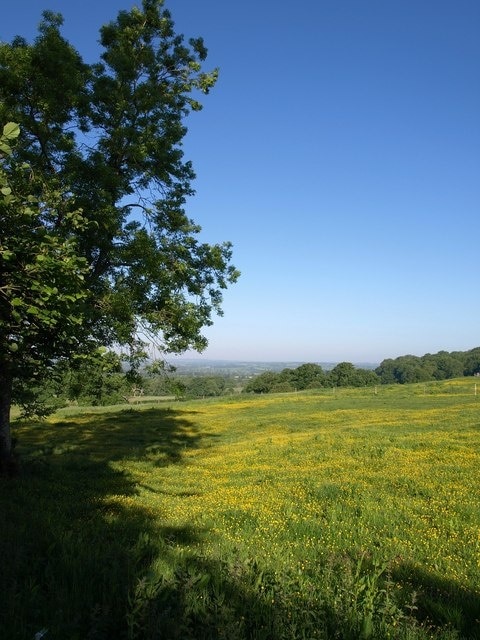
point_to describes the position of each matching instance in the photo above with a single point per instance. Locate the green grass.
(349, 515)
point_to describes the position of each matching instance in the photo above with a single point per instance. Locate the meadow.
(315, 515)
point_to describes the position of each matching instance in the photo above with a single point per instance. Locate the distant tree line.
(102, 379)
(401, 370)
(439, 366)
(311, 376)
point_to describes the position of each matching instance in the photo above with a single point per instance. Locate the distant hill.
(246, 367)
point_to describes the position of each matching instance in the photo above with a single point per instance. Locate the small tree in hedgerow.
(95, 246)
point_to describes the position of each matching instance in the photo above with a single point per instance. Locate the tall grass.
(347, 514)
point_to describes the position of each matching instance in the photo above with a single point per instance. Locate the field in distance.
(320, 514)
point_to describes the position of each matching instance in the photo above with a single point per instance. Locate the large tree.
(95, 244)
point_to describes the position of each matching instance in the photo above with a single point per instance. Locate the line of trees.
(311, 376)
(439, 366)
(404, 369)
(102, 379)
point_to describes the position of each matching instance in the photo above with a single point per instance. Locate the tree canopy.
(96, 246)
(439, 366)
(311, 376)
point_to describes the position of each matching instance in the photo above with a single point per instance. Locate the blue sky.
(340, 153)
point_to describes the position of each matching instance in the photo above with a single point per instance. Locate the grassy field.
(347, 514)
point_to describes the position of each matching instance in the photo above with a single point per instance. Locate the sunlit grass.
(346, 513)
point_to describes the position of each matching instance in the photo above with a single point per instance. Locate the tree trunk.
(5, 434)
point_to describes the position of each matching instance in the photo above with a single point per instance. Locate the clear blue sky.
(340, 153)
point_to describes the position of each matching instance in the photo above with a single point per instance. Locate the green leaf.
(11, 130)
(33, 311)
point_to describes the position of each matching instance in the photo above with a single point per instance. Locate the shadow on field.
(128, 434)
(73, 542)
(440, 601)
(82, 560)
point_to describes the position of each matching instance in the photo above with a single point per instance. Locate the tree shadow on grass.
(130, 434)
(83, 560)
(441, 602)
(73, 541)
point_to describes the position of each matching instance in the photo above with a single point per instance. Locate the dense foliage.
(311, 376)
(96, 247)
(439, 366)
(42, 276)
